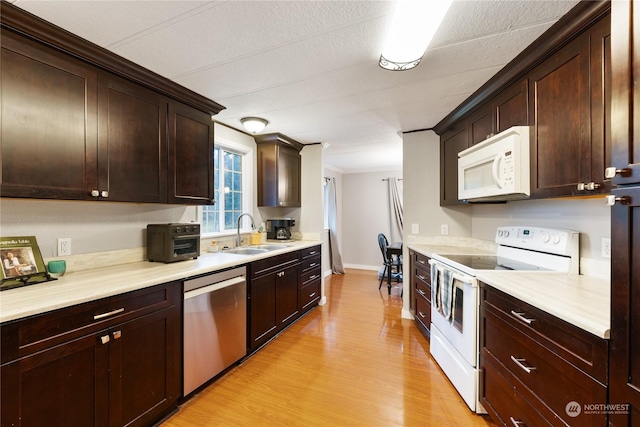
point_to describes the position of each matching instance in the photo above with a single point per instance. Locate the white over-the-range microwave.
(497, 168)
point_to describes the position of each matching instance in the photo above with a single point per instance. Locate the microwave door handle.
(496, 165)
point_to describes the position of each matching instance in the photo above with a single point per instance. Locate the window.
(231, 179)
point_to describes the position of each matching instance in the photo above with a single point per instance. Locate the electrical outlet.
(606, 247)
(444, 229)
(64, 246)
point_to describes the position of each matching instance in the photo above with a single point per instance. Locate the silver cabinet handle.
(313, 264)
(421, 277)
(516, 423)
(589, 186)
(611, 200)
(611, 172)
(422, 262)
(520, 316)
(104, 194)
(280, 274)
(315, 276)
(117, 334)
(520, 364)
(111, 313)
(311, 295)
(421, 292)
(95, 193)
(105, 339)
(313, 252)
(422, 314)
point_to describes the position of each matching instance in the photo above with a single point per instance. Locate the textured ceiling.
(310, 67)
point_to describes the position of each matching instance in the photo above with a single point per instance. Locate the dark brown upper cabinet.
(49, 128)
(190, 167)
(561, 87)
(81, 123)
(132, 142)
(570, 98)
(279, 171)
(452, 142)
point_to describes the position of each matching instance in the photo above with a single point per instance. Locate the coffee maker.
(280, 229)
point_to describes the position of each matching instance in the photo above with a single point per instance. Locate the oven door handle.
(457, 275)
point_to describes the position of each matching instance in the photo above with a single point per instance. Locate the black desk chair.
(392, 264)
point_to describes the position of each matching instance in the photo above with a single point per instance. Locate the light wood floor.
(352, 362)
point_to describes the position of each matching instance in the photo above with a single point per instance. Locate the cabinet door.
(481, 125)
(289, 169)
(625, 103)
(190, 155)
(287, 295)
(65, 385)
(624, 381)
(601, 93)
(451, 143)
(48, 131)
(144, 368)
(262, 303)
(132, 156)
(560, 101)
(511, 106)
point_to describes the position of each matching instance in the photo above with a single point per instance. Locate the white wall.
(421, 171)
(366, 213)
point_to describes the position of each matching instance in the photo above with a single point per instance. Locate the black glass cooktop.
(488, 262)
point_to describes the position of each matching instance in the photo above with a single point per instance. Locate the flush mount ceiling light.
(254, 124)
(412, 28)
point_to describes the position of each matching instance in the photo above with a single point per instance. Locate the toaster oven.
(173, 242)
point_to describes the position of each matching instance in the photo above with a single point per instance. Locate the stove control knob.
(545, 238)
(556, 239)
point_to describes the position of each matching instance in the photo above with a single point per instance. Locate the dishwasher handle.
(213, 287)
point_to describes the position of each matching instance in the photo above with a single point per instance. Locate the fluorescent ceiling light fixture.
(254, 124)
(412, 28)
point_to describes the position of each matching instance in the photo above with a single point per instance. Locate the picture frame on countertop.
(22, 262)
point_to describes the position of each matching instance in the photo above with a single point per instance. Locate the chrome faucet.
(238, 231)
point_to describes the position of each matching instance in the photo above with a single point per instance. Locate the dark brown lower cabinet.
(121, 370)
(541, 370)
(280, 290)
(420, 276)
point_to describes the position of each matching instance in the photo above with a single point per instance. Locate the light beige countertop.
(77, 287)
(429, 250)
(583, 301)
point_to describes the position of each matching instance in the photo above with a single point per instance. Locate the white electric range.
(455, 295)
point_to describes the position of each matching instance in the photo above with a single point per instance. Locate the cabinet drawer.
(310, 252)
(274, 263)
(422, 267)
(310, 276)
(423, 289)
(584, 350)
(504, 403)
(309, 294)
(423, 312)
(310, 263)
(26, 336)
(548, 376)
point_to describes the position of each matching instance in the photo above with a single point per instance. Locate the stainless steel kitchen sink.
(246, 251)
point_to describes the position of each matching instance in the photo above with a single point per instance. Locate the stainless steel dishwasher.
(215, 319)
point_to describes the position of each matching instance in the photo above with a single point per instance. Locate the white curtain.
(332, 218)
(396, 212)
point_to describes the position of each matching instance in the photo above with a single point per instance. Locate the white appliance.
(496, 168)
(455, 296)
